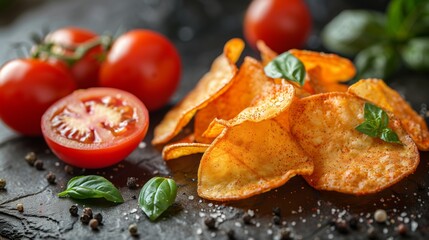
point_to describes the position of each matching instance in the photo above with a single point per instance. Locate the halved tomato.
(95, 127)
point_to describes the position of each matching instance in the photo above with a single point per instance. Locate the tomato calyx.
(71, 54)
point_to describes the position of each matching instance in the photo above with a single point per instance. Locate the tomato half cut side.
(95, 127)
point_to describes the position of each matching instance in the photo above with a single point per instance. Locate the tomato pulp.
(95, 127)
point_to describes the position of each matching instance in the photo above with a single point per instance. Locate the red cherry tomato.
(86, 70)
(144, 63)
(281, 24)
(95, 127)
(27, 88)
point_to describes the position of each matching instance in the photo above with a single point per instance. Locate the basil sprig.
(286, 66)
(92, 186)
(376, 124)
(156, 196)
(382, 41)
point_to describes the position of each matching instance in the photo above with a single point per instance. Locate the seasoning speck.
(210, 222)
(69, 169)
(93, 223)
(73, 210)
(380, 216)
(284, 234)
(99, 217)
(132, 183)
(191, 197)
(231, 234)
(353, 222)
(38, 164)
(277, 220)
(402, 229)
(20, 207)
(372, 233)
(51, 178)
(133, 229)
(2, 184)
(277, 211)
(85, 218)
(31, 158)
(247, 219)
(342, 226)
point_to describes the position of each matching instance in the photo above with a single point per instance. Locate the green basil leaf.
(354, 30)
(378, 61)
(415, 54)
(388, 135)
(376, 124)
(156, 196)
(92, 186)
(286, 66)
(407, 18)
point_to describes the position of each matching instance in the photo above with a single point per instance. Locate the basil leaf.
(286, 66)
(376, 124)
(156, 196)
(378, 61)
(92, 186)
(354, 30)
(407, 18)
(415, 54)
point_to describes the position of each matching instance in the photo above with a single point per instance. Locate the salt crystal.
(199, 231)
(414, 226)
(142, 145)
(191, 197)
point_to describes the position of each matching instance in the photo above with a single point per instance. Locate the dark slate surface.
(308, 213)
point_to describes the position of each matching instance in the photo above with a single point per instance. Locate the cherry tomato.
(95, 127)
(27, 88)
(144, 63)
(281, 24)
(86, 70)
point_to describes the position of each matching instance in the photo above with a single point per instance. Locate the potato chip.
(176, 150)
(376, 91)
(250, 158)
(209, 87)
(333, 67)
(272, 100)
(346, 160)
(320, 86)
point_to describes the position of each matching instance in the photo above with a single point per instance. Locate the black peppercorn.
(73, 210)
(2, 184)
(20, 207)
(99, 217)
(353, 222)
(372, 233)
(341, 226)
(210, 222)
(132, 183)
(231, 234)
(277, 220)
(133, 229)
(51, 178)
(87, 211)
(402, 229)
(38, 164)
(69, 169)
(247, 219)
(85, 218)
(31, 158)
(93, 223)
(285, 234)
(277, 211)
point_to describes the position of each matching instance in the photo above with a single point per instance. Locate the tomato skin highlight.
(144, 63)
(85, 71)
(281, 24)
(95, 154)
(27, 88)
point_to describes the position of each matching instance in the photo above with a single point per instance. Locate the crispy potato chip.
(251, 158)
(376, 91)
(333, 67)
(346, 160)
(176, 150)
(320, 86)
(273, 99)
(210, 86)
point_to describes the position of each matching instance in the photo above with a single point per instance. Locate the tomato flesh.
(96, 127)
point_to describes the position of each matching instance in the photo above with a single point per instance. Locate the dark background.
(199, 29)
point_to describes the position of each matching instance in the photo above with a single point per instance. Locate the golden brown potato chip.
(320, 86)
(346, 160)
(333, 67)
(209, 87)
(250, 158)
(273, 98)
(376, 91)
(176, 150)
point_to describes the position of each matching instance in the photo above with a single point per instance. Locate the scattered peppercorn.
(93, 224)
(402, 229)
(277, 211)
(210, 222)
(247, 219)
(342, 226)
(51, 178)
(99, 217)
(2, 184)
(87, 211)
(133, 229)
(353, 222)
(332, 221)
(20, 207)
(285, 234)
(38, 164)
(31, 158)
(372, 233)
(380, 216)
(73, 210)
(231, 234)
(69, 169)
(277, 220)
(85, 218)
(132, 183)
